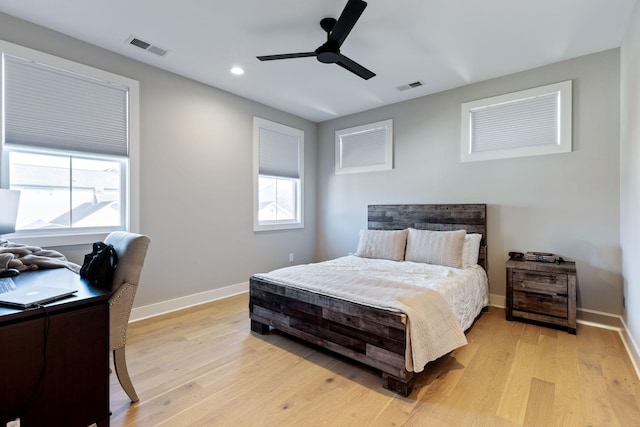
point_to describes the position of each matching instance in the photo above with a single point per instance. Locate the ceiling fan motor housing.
(327, 24)
(328, 53)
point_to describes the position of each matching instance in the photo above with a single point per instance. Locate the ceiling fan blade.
(355, 68)
(347, 20)
(286, 56)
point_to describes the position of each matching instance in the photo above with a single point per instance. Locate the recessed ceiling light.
(238, 71)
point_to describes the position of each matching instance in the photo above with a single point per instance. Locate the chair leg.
(120, 364)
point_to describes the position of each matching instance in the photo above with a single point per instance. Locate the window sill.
(45, 241)
(276, 227)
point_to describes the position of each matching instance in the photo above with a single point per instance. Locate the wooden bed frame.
(369, 335)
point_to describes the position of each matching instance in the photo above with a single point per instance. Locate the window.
(70, 147)
(525, 123)
(278, 170)
(66, 192)
(365, 148)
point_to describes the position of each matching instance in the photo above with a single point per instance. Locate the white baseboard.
(499, 301)
(631, 346)
(597, 319)
(616, 323)
(164, 307)
(586, 316)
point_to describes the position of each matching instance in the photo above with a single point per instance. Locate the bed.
(395, 305)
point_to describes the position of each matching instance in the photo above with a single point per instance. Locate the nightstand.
(544, 292)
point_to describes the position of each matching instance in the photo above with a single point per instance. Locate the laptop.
(28, 296)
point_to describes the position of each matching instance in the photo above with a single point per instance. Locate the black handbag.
(99, 265)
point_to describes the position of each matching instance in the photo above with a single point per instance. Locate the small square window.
(365, 148)
(525, 123)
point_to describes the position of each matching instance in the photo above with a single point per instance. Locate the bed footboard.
(369, 335)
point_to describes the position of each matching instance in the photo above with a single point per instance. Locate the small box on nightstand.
(542, 291)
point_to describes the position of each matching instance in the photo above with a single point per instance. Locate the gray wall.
(195, 173)
(630, 173)
(196, 189)
(563, 203)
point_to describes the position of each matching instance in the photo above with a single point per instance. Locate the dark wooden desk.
(74, 388)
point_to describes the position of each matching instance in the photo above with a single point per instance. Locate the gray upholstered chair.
(131, 249)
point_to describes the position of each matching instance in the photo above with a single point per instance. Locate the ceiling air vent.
(411, 85)
(147, 46)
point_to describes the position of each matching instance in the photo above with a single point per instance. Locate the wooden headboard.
(470, 217)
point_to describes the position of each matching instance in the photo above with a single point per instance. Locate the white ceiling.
(443, 43)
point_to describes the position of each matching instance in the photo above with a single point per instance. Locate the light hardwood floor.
(203, 367)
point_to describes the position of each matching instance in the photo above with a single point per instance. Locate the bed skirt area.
(369, 335)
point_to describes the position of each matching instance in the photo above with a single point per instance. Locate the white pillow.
(383, 244)
(470, 249)
(435, 247)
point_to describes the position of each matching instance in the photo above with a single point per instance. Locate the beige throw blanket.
(25, 258)
(432, 329)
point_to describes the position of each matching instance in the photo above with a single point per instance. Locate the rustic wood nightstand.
(545, 292)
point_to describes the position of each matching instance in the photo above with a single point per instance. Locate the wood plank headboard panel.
(470, 217)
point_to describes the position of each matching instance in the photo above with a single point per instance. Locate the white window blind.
(279, 154)
(523, 123)
(365, 148)
(278, 168)
(49, 107)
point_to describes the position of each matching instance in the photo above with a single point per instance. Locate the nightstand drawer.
(552, 305)
(548, 283)
(542, 292)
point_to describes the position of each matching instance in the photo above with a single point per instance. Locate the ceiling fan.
(337, 32)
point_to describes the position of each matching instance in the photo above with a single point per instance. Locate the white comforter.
(440, 302)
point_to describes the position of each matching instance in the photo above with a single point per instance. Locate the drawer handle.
(547, 276)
